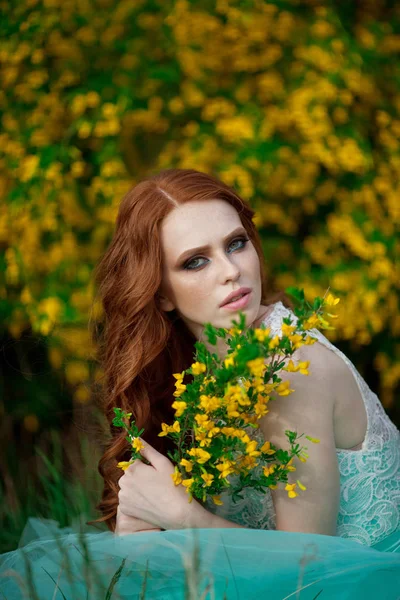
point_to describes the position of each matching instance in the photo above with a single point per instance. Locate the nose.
(229, 269)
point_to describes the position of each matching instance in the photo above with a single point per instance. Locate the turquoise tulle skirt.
(232, 564)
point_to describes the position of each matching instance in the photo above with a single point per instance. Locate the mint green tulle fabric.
(192, 564)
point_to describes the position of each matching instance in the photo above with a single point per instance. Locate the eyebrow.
(188, 253)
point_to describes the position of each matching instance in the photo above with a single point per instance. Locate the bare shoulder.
(313, 397)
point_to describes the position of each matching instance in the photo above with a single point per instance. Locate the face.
(207, 255)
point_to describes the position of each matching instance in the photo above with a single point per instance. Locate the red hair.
(141, 346)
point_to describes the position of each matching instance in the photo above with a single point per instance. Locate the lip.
(241, 303)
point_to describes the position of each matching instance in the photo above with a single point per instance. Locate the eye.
(191, 264)
(241, 241)
(236, 244)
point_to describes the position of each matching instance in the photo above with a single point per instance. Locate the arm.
(309, 409)
(202, 518)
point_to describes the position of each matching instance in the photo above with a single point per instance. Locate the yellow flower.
(330, 300)
(201, 419)
(198, 368)
(262, 334)
(137, 444)
(217, 500)
(283, 388)
(288, 329)
(303, 367)
(266, 448)
(201, 436)
(269, 470)
(301, 486)
(296, 340)
(179, 376)
(187, 483)
(187, 464)
(260, 409)
(226, 468)
(176, 427)
(291, 367)
(180, 407)
(313, 440)
(230, 361)
(125, 464)
(311, 322)
(202, 455)
(208, 478)
(309, 341)
(210, 403)
(257, 366)
(179, 386)
(274, 342)
(251, 449)
(165, 430)
(248, 462)
(176, 477)
(290, 487)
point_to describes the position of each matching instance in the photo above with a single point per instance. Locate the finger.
(157, 460)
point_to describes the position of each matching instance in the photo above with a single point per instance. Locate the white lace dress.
(369, 476)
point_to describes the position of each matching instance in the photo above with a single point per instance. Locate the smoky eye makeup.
(187, 263)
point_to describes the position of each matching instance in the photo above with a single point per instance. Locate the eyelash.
(186, 265)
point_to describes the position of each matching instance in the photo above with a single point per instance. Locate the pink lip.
(241, 303)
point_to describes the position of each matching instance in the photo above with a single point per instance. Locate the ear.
(165, 304)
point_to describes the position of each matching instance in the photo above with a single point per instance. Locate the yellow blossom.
(291, 367)
(226, 468)
(290, 488)
(330, 300)
(179, 407)
(187, 483)
(288, 329)
(251, 449)
(303, 367)
(301, 486)
(165, 430)
(217, 500)
(124, 465)
(176, 477)
(257, 366)
(187, 464)
(269, 470)
(266, 448)
(229, 361)
(208, 478)
(284, 389)
(198, 368)
(274, 342)
(311, 322)
(210, 403)
(137, 444)
(262, 334)
(202, 455)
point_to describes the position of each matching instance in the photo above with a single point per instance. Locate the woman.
(184, 243)
(185, 252)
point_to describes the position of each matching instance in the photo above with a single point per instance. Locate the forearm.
(204, 519)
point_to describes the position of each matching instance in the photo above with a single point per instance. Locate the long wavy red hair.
(140, 345)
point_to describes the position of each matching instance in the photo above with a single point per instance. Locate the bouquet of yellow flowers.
(225, 397)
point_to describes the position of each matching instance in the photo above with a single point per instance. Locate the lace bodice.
(369, 476)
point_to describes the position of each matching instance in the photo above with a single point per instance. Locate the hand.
(148, 493)
(126, 525)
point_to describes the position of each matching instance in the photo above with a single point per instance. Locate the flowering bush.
(227, 396)
(294, 104)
